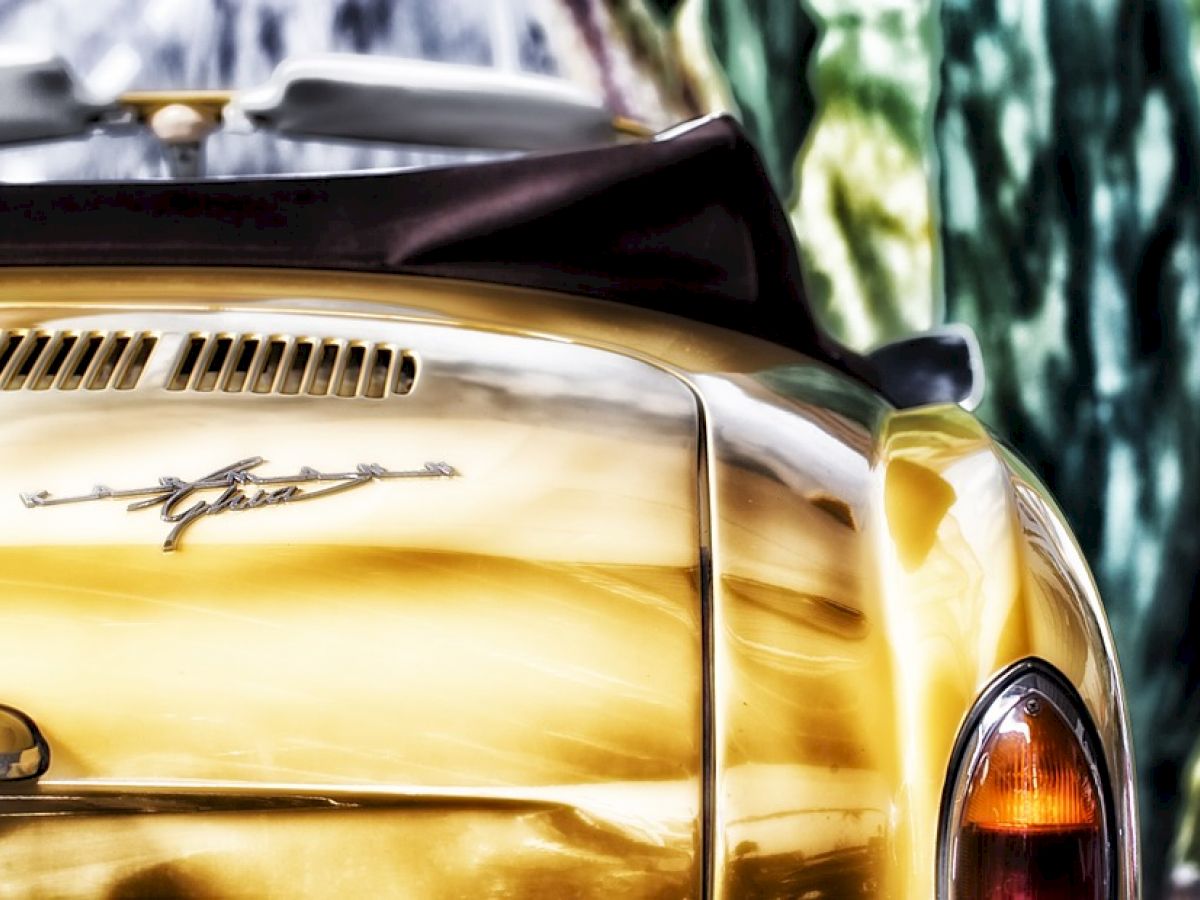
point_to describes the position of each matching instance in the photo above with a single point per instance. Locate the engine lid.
(466, 573)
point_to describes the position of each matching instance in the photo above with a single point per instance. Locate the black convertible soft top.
(686, 223)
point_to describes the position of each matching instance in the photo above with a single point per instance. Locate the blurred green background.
(1032, 168)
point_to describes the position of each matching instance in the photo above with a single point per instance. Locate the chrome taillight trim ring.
(1014, 684)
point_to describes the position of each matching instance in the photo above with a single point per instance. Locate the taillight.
(1025, 815)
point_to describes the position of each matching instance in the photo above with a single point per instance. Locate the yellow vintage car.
(512, 530)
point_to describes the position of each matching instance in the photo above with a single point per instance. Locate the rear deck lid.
(430, 563)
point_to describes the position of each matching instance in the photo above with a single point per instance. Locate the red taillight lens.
(1027, 818)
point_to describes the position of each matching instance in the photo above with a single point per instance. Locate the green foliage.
(875, 91)
(838, 96)
(665, 8)
(763, 47)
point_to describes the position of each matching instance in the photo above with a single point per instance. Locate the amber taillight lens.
(1026, 816)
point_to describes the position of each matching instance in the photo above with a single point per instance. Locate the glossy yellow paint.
(700, 618)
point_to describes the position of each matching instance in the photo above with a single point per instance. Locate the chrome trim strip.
(81, 798)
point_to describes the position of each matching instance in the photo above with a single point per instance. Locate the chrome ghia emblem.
(240, 490)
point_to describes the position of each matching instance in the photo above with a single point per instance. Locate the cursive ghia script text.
(237, 488)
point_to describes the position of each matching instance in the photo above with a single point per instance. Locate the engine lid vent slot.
(292, 366)
(37, 360)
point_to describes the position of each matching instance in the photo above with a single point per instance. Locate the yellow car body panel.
(694, 616)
